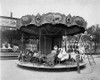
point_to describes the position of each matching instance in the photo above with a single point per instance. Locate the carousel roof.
(52, 24)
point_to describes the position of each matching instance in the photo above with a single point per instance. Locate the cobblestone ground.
(10, 71)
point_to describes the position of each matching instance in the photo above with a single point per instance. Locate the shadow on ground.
(51, 69)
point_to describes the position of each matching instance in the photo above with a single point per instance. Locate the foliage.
(94, 33)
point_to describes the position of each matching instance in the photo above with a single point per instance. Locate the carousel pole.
(45, 44)
(21, 45)
(65, 41)
(22, 42)
(40, 41)
(77, 57)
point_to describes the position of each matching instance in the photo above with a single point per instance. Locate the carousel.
(47, 43)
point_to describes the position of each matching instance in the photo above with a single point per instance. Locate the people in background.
(3, 46)
(6, 45)
(15, 48)
(9, 46)
(55, 50)
(81, 50)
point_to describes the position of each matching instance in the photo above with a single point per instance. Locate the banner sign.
(8, 22)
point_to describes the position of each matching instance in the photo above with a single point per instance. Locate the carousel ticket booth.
(50, 29)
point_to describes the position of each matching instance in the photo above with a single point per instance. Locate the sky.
(88, 9)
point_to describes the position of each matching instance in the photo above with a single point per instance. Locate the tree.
(94, 32)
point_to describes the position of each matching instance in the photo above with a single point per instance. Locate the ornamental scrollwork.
(49, 18)
(68, 19)
(57, 18)
(53, 18)
(38, 19)
(79, 21)
(26, 19)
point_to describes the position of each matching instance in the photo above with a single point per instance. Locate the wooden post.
(78, 66)
(77, 57)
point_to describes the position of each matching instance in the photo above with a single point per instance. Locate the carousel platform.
(56, 67)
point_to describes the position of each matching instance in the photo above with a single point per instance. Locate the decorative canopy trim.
(52, 18)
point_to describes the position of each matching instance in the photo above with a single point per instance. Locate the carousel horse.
(34, 56)
(22, 56)
(74, 52)
(50, 58)
(80, 50)
(25, 55)
(63, 55)
(73, 56)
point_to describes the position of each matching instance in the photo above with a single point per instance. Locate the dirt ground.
(10, 71)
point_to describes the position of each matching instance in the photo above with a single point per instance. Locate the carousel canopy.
(52, 24)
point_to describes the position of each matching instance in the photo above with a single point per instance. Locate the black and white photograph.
(49, 39)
